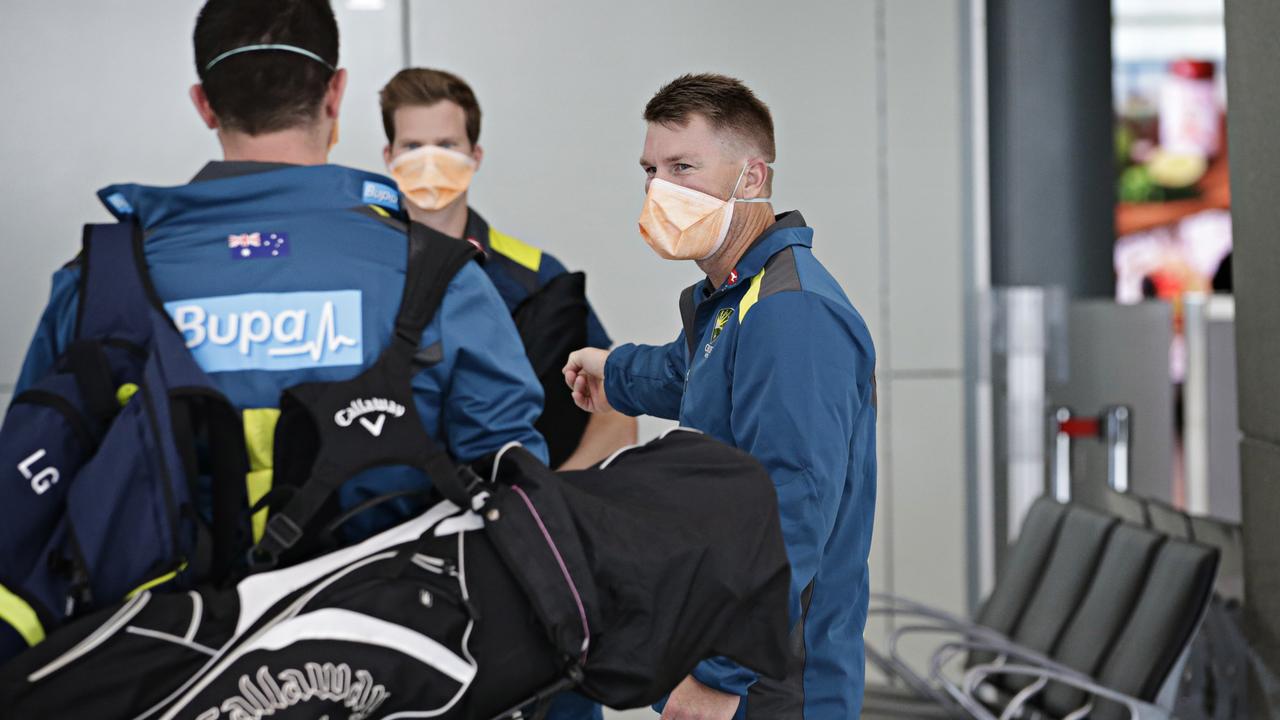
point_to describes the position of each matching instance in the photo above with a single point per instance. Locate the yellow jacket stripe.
(750, 297)
(518, 251)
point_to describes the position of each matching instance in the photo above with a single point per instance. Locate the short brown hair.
(424, 86)
(724, 101)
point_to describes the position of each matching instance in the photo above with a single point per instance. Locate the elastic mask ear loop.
(742, 173)
(269, 46)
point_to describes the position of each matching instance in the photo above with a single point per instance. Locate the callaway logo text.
(360, 407)
(265, 695)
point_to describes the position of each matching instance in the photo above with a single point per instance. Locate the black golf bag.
(515, 584)
(616, 580)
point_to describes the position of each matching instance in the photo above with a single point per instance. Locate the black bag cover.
(423, 618)
(682, 541)
(672, 552)
(552, 323)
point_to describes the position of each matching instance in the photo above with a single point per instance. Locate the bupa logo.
(272, 331)
(119, 202)
(360, 408)
(376, 193)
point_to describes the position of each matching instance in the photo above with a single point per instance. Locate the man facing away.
(772, 359)
(273, 232)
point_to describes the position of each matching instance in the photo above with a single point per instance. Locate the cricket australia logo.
(722, 319)
(360, 407)
(264, 694)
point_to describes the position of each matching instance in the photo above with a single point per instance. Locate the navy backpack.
(99, 459)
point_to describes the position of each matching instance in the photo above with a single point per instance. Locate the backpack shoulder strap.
(113, 307)
(337, 451)
(115, 288)
(434, 259)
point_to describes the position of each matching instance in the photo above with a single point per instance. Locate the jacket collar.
(787, 230)
(224, 191)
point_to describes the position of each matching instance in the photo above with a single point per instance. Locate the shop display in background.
(1173, 224)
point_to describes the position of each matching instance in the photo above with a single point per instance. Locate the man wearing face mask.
(772, 359)
(281, 269)
(432, 121)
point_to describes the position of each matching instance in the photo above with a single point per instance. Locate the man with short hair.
(432, 121)
(280, 269)
(772, 359)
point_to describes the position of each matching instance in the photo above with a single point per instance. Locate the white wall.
(868, 99)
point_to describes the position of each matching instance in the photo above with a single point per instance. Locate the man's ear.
(333, 94)
(386, 154)
(203, 108)
(757, 182)
(477, 154)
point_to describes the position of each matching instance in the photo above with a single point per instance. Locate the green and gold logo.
(722, 319)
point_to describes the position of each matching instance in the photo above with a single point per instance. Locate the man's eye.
(681, 167)
(448, 145)
(651, 171)
(412, 146)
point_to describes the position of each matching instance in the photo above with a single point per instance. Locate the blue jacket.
(519, 269)
(778, 363)
(279, 275)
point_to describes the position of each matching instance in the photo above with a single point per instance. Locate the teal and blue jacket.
(279, 275)
(519, 269)
(777, 362)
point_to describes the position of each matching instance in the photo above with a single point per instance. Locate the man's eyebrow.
(682, 157)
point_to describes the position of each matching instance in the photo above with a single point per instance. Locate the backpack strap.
(114, 309)
(115, 287)
(433, 261)
(335, 451)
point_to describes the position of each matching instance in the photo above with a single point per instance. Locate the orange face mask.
(680, 223)
(432, 177)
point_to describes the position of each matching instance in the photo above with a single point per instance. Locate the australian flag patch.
(258, 245)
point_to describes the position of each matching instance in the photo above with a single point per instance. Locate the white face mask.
(680, 223)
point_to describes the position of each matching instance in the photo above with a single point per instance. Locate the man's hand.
(584, 374)
(691, 700)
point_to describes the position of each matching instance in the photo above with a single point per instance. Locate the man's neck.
(294, 146)
(749, 221)
(450, 220)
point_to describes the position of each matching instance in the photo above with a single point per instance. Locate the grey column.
(1253, 57)
(1052, 166)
